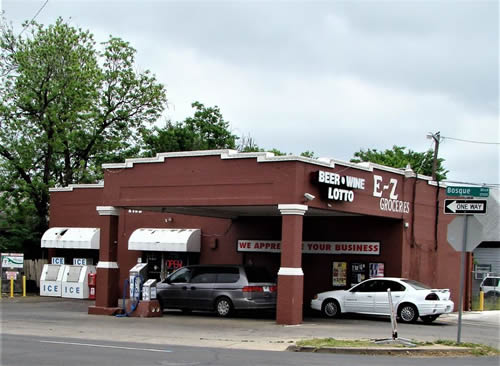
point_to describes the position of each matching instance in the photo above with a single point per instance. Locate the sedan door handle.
(369, 296)
(193, 288)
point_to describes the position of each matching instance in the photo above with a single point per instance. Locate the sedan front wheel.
(331, 308)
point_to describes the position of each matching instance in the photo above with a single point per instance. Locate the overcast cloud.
(331, 77)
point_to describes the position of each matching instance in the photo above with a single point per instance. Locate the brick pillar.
(107, 269)
(290, 275)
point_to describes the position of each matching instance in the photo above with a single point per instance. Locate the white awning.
(165, 240)
(71, 238)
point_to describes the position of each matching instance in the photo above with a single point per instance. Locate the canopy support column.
(107, 269)
(290, 275)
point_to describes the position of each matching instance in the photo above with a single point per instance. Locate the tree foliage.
(66, 107)
(205, 130)
(400, 157)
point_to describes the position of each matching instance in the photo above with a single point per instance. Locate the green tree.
(66, 107)
(400, 157)
(308, 154)
(205, 130)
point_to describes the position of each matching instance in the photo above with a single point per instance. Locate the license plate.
(266, 288)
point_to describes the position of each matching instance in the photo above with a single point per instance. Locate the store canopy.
(71, 238)
(165, 240)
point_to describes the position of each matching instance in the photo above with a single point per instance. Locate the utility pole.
(437, 139)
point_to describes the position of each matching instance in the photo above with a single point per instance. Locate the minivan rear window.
(258, 274)
(228, 275)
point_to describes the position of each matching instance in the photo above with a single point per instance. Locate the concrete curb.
(382, 350)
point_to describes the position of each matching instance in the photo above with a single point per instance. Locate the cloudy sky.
(331, 77)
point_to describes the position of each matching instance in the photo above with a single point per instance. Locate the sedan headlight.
(315, 297)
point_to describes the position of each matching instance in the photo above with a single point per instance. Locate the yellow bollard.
(12, 287)
(481, 300)
(24, 286)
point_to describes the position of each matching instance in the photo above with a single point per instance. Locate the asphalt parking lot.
(59, 317)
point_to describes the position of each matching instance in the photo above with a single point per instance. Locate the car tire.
(223, 307)
(429, 318)
(491, 294)
(330, 308)
(408, 313)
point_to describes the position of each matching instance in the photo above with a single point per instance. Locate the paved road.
(67, 318)
(50, 351)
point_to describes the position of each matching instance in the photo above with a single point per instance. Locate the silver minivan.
(220, 288)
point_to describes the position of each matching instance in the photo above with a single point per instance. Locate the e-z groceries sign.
(313, 247)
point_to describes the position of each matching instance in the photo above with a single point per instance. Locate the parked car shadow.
(368, 318)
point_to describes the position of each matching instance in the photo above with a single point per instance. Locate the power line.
(471, 141)
(491, 185)
(32, 19)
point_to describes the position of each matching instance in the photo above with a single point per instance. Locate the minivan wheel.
(223, 306)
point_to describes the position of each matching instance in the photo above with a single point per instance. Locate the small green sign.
(463, 191)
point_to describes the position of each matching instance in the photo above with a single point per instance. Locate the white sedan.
(410, 299)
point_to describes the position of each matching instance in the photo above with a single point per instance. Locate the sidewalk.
(67, 318)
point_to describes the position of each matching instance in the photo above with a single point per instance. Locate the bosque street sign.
(467, 191)
(464, 207)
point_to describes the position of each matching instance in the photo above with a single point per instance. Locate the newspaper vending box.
(137, 276)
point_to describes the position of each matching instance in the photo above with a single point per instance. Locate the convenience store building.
(319, 224)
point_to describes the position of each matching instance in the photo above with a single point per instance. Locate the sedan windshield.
(416, 285)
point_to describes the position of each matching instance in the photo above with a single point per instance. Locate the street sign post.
(462, 279)
(464, 207)
(456, 191)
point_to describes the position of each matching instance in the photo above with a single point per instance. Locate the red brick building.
(317, 224)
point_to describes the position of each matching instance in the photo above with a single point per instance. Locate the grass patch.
(331, 342)
(475, 348)
(490, 303)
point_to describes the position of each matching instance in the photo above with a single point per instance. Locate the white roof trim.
(262, 157)
(71, 238)
(165, 240)
(73, 186)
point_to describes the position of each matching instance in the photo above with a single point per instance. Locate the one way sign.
(462, 207)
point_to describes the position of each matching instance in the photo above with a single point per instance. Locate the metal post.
(393, 316)
(462, 279)
(24, 286)
(12, 287)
